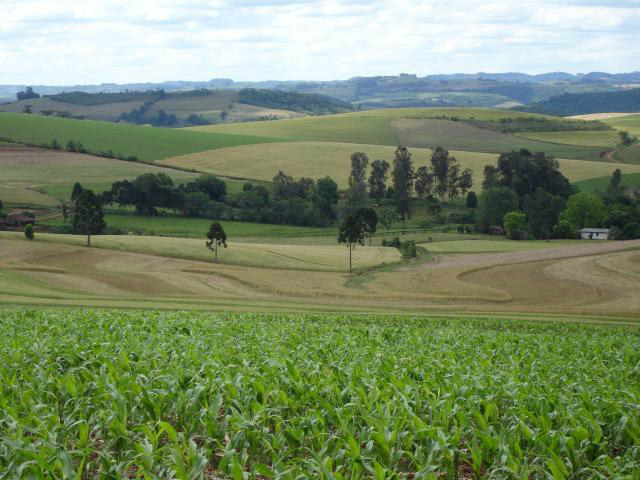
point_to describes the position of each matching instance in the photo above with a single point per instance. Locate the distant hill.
(180, 108)
(481, 89)
(585, 103)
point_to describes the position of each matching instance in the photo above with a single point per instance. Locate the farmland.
(630, 123)
(317, 159)
(604, 139)
(146, 143)
(304, 257)
(194, 395)
(410, 127)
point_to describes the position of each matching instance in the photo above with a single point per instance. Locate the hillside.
(586, 103)
(172, 109)
(145, 143)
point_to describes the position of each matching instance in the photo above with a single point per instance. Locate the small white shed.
(594, 234)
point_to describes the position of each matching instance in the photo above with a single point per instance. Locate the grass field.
(601, 183)
(42, 177)
(294, 257)
(139, 393)
(146, 143)
(630, 123)
(176, 226)
(629, 154)
(502, 245)
(602, 139)
(108, 112)
(317, 159)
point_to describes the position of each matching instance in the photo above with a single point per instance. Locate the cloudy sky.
(94, 41)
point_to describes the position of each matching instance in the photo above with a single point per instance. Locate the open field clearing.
(464, 136)
(317, 159)
(40, 272)
(630, 123)
(601, 183)
(603, 139)
(479, 246)
(132, 394)
(410, 127)
(146, 143)
(305, 257)
(40, 176)
(175, 226)
(629, 154)
(108, 112)
(601, 116)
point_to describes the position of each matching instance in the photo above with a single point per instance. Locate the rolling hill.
(585, 103)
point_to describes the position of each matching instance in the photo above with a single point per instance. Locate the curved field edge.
(250, 394)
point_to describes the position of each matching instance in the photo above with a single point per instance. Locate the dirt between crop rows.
(478, 260)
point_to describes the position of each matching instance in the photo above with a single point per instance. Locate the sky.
(66, 42)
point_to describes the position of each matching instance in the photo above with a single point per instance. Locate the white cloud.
(94, 41)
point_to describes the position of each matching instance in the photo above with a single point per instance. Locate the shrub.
(408, 249)
(28, 231)
(394, 242)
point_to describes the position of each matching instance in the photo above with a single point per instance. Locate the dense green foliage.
(100, 394)
(585, 103)
(290, 100)
(87, 99)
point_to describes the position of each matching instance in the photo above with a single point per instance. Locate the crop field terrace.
(142, 394)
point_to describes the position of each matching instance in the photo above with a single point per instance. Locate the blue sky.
(95, 41)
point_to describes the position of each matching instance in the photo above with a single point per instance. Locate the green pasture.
(602, 139)
(146, 143)
(629, 123)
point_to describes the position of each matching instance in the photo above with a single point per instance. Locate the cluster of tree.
(442, 179)
(540, 124)
(626, 138)
(528, 196)
(291, 100)
(27, 94)
(78, 147)
(526, 182)
(195, 119)
(140, 116)
(585, 103)
(102, 98)
(293, 202)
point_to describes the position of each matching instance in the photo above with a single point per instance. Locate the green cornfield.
(159, 395)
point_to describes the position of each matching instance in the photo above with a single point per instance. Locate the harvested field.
(601, 116)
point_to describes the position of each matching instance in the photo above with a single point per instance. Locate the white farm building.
(594, 234)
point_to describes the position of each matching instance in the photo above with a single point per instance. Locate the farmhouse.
(594, 234)
(19, 220)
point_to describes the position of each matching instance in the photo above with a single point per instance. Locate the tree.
(434, 210)
(77, 190)
(64, 210)
(350, 232)
(490, 177)
(28, 109)
(423, 182)
(543, 211)
(615, 185)
(441, 162)
(584, 210)
(388, 218)
(378, 179)
(625, 138)
(88, 218)
(28, 231)
(472, 200)
(515, 223)
(325, 197)
(369, 220)
(223, 115)
(216, 238)
(402, 181)
(453, 182)
(357, 192)
(465, 182)
(495, 203)
(27, 94)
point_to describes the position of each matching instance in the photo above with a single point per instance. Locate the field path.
(479, 260)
